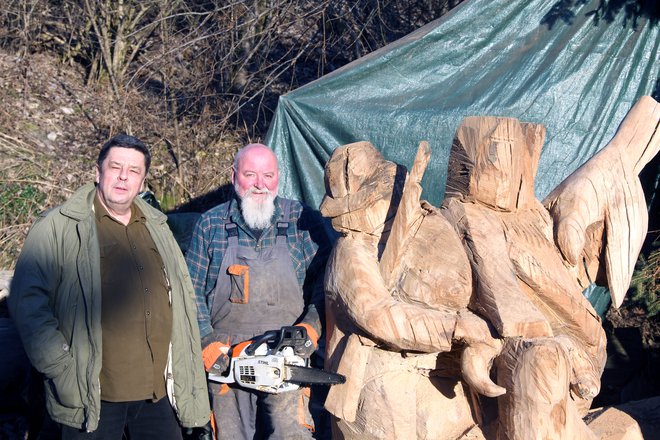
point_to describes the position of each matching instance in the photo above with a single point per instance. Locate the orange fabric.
(211, 353)
(311, 333)
(214, 427)
(241, 271)
(302, 406)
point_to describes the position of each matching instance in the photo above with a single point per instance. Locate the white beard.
(257, 214)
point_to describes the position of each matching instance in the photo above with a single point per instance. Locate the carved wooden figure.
(412, 289)
(386, 339)
(522, 285)
(521, 274)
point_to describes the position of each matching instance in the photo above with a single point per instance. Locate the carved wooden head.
(361, 188)
(494, 161)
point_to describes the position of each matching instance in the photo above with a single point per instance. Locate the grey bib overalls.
(257, 291)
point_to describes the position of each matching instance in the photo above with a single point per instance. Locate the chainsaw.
(269, 363)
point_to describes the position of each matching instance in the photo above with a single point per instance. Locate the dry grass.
(28, 185)
(52, 125)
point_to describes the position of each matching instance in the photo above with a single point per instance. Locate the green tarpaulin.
(575, 66)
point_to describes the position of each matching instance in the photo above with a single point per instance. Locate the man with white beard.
(257, 263)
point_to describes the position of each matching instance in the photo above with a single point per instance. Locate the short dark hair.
(125, 141)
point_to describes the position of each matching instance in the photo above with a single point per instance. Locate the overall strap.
(231, 229)
(232, 233)
(283, 226)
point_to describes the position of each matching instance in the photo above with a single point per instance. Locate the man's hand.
(214, 354)
(307, 349)
(310, 344)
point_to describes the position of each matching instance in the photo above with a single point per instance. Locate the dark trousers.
(140, 420)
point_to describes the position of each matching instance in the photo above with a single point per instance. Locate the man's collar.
(100, 211)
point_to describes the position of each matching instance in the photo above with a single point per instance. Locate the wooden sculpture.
(385, 342)
(421, 300)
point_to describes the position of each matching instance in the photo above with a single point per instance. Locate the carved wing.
(599, 211)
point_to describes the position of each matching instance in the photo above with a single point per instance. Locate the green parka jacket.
(55, 301)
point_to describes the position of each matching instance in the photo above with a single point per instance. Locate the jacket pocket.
(240, 283)
(64, 387)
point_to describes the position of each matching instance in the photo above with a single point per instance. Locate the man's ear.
(98, 173)
(233, 176)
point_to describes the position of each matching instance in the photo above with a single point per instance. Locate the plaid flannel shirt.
(309, 247)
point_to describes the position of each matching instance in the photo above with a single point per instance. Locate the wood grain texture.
(603, 201)
(422, 300)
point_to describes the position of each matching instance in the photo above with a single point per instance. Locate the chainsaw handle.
(287, 336)
(269, 336)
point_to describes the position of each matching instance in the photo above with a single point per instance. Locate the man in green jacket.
(103, 302)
